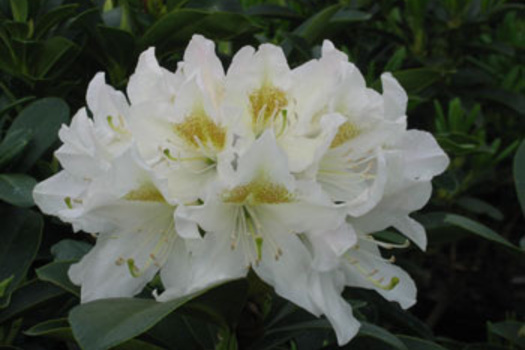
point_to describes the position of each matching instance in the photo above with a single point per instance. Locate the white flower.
(205, 175)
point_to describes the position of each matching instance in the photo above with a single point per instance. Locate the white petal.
(413, 230)
(150, 82)
(371, 266)
(422, 155)
(50, 195)
(395, 97)
(100, 276)
(211, 262)
(289, 275)
(326, 292)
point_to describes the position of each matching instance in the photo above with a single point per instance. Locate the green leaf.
(439, 220)
(272, 11)
(29, 296)
(413, 343)
(102, 324)
(59, 329)
(19, 241)
(13, 144)
(120, 41)
(43, 118)
(173, 31)
(221, 305)
(70, 250)
(314, 27)
(17, 189)
(512, 331)
(519, 174)
(4, 284)
(56, 273)
(479, 206)
(53, 18)
(416, 79)
(50, 53)
(350, 16)
(19, 10)
(373, 331)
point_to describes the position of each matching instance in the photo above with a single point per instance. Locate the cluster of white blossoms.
(202, 174)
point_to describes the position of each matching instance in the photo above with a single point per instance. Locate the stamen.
(133, 269)
(67, 200)
(386, 245)
(394, 281)
(120, 129)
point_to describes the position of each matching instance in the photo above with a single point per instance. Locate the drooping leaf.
(17, 189)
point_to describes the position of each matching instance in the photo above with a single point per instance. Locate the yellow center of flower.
(258, 191)
(266, 103)
(198, 130)
(145, 193)
(346, 132)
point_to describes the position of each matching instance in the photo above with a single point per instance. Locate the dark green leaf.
(52, 18)
(70, 250)
(17, 189)
(19, 10)
(56, 273)
(13, 144)
(60, 329)
(102, 324)
(19, 241)
(349, 16)
(4, 284)
(441, 220)
(373, 331)
(29, 296)
(513, 331)
(313, 28)
(50, 53)
(273, 11)
(44, 118)
(413, 343)
(174, 30)
(416, 79)
(519, 174)
(479, 206)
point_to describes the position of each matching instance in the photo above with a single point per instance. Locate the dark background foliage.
(462, 64)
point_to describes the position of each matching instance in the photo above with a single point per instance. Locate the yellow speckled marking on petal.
(145, 193)
(199, 129)
(259, 191)
(346, 132)
(269, 101)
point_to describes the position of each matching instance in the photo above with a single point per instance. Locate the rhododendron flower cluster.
(202, 174)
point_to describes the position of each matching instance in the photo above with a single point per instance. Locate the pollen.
(259, 191)
(145, 193)
(347, 131)
(199, 129)
(266, 102)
